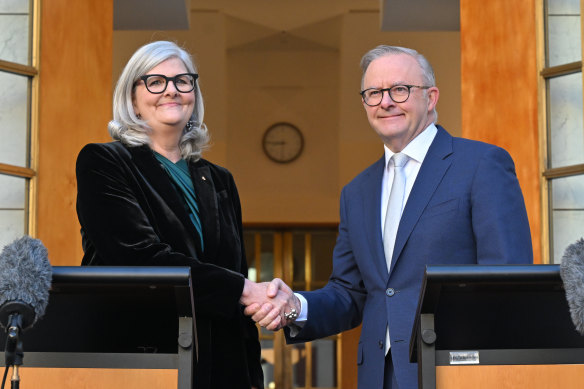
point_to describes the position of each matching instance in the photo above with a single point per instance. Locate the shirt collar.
(418, 147)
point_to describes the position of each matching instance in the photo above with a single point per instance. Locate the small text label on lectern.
(464, 357)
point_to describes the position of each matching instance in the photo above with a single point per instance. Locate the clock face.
(283, 142)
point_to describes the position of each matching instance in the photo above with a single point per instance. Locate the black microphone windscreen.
(25, 274)
(572, 273)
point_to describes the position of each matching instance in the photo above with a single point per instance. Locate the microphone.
(572, 273)
(25, 279)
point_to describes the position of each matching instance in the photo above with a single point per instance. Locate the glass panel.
(13, 119)
(567, 199)
(267, 257)
(566, 135)
(322, 254)
(298, 253)
(249, 243)
(12, 212)
(265, 333)
(563, 6)
(14, 6)
(12, 226)
(324, 365)
(563, 21)
(299, 365)
(14, 31)
(12, 192)
(268, 360)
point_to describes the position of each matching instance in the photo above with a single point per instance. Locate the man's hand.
(278, 302)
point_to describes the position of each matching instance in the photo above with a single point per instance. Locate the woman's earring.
(190, 125)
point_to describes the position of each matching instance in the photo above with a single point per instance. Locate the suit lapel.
(371, 200)
(157, 177)
(209, 211)
(435, 165)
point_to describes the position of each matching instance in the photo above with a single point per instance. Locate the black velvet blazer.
(131, 214)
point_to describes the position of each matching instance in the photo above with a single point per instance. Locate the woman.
(149, 199)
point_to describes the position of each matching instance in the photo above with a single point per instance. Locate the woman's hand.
(269, 303)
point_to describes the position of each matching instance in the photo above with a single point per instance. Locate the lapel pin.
(203, 177)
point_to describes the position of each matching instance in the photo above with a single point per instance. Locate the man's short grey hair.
(128, 128)
(383, 50)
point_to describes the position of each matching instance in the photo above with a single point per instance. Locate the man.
(431, 199)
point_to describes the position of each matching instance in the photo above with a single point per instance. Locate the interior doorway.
(302, 257)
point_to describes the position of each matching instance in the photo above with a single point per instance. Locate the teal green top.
(179, 174)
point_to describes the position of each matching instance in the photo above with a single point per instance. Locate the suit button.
(390, 292)
(380, 344)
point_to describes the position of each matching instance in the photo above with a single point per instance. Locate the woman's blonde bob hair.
(128, 128)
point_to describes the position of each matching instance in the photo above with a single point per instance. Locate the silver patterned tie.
(394, 206)
(393, 215)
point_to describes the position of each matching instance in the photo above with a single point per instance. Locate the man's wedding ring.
(292, 315)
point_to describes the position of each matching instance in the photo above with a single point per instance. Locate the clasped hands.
(270, 304)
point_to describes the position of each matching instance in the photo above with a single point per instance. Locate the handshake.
(272, 305)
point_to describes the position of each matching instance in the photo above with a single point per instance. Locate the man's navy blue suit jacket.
(466, 207)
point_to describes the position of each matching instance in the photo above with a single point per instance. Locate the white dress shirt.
(416, 150)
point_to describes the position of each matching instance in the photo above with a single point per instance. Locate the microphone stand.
(14, 354)
(16, 316)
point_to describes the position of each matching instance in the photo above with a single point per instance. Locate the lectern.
(115, 318)
(476, 315)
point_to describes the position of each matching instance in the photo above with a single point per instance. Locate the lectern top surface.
(492, 273)
(134, 275)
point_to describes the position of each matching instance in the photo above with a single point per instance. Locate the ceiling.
(420, 15)
(286, 15)
(151, 14)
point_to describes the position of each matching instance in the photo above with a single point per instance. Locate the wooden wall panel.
(348, 363)
(67, 378)
(499, 89)
(510, 377)
(75, 106)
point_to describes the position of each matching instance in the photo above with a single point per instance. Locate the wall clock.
(283, 142)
